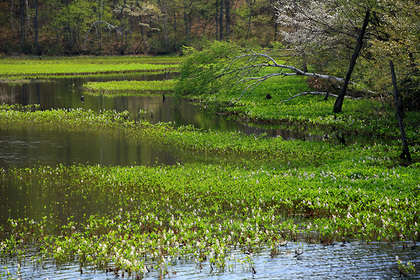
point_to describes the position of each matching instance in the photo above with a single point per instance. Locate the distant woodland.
(344, 38)
(72, 27)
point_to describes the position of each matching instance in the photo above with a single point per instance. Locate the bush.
(410, 92)
(200, 69)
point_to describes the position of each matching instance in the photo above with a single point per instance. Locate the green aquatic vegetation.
(71, 66)
(406, 270)
(367, 117)
(257, 194)
(202, 212)
(255, 149)
(129, 87)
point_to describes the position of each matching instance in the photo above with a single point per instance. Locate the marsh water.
(352, 261)
(30, 147)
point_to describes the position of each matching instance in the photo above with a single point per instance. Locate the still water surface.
(27, 148)
(352, 261)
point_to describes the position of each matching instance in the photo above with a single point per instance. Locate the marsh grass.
(365, 117)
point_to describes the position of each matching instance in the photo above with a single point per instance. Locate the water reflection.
(26, 148)
(353, 261)
(67, 93)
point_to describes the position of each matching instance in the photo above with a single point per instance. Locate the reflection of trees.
(7, 96)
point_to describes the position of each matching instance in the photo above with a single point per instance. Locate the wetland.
(148, 185)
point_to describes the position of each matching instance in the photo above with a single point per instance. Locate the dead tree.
(339, 101)
(253, 66)
(406, 152)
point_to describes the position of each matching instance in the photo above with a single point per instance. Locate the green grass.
(223, 85)
(366, 117)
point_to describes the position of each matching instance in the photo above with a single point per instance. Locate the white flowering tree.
(328, 33)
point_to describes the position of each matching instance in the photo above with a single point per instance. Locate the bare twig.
(273, 63)
(118, 30)
(315, 93)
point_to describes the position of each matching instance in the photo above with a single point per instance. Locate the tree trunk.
(123, 32)
(339, 102)
(11, 17)
(164, 9)
(143, 34)
(274, 19)
(187, 21)
(217, 20)
(28, 15)
(101, 11)
(248, 32)
(228, 20)
(406, 152)
(175, 30)
(38, 51)
(221, 21)
(22, 25)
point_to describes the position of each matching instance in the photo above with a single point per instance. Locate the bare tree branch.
(118, 30)
(273, 63)
(316, 93)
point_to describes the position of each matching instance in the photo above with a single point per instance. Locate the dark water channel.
(26, 148)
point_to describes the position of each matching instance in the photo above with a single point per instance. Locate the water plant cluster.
(201, 213)
(13, 69)
(241, 195)
(129, 87)
(256, 193)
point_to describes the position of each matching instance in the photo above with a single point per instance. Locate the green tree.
(399, 41)
(72, 22)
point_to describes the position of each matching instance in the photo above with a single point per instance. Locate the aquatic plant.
(27, 68)
(407, 269)
(140, 218)
(129, 87)
(245, 194)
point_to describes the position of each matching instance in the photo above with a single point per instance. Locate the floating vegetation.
(137, 218)
(27, 68)
(406, 270)
(263, 193)
(257, 194)
(129, 87)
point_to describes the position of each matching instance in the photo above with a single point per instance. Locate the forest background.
(72, 27)
(321, 34)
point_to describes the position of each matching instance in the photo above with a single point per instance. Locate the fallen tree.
(223, 68)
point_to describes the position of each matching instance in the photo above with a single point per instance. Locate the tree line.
(55, 27)
(329, 35)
